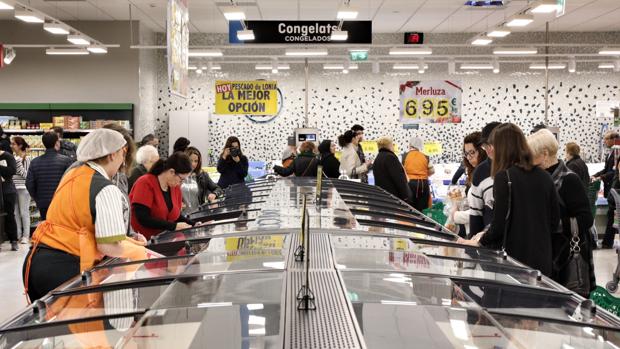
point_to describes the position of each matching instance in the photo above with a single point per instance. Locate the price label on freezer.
(430, 102)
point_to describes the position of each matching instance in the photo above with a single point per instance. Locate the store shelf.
(41, 131)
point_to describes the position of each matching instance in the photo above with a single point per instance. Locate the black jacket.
(5, 143)
(8, 168)
(607, 173)
(580, 168)
(68, 149)
(304, 165)
(207, 186)
(44, 175)
(232, 172)
(136, 173)
(534, 216)
(390, 174)
(331, 165)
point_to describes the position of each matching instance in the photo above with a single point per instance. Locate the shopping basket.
(603, 299)
(436, 213)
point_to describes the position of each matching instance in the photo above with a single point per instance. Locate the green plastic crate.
(436, 213)
(605, 300)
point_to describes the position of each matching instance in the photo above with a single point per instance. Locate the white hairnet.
(99, 143)
(416, 142)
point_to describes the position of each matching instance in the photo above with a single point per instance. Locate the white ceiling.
(388, 16)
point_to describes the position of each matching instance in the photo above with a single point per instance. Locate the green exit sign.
(357, 56)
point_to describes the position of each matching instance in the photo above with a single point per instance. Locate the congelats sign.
(246, 97)
(302, 32)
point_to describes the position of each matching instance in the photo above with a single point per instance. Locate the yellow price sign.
(411, 108)
(432, 148)
(246, 97)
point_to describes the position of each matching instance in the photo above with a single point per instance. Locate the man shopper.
(9, 195)
(45, 173)
(606, 175)
(67, 148)
(481, 203)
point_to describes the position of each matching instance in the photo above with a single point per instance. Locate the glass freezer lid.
(222, 326)
(100, 303)
(236, 288)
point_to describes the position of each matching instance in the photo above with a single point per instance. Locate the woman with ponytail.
(156, 198)
(350, 162)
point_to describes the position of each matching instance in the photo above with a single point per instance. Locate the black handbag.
(576, 272)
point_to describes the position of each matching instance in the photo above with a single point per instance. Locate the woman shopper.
(232, 164)
(198, 188)
(573, 202)
(350, 163)
(576, 164)
(76, 235)
(22, 204)
(331, 165)
(180, 144)
(526, 210)
(304, 165)
(146, 156)
(389, 173)
(418, 169)
(473, 155)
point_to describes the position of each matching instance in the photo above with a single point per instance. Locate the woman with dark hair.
(180, 144)
(232, 164)
(331, 165)
(473, 155)
(526, 210)
(304, 165)
(350, 163)
(149, 139)
(22, 204)
(5, 142)
(156, 198)
(198, 188)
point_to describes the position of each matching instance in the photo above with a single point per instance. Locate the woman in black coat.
(304, 165)
(573, 202)
(525, 230)
(577, 165)
(388, 171)
(232, 165)
(331, 165)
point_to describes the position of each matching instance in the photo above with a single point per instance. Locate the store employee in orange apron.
(87, 219)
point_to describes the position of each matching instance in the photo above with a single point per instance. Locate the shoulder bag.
(576, 272)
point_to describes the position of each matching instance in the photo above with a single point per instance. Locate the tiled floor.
(12, 298)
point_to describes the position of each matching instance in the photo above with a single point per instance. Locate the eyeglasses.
(470, 153)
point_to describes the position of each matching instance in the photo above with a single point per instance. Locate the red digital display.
(414, 38)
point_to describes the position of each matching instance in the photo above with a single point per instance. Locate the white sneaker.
(24, 241)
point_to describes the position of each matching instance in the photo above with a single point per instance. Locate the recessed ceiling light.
(56, 28)
(29, 16)
(515, 51)
(421, 51)
(572, 65)
(554, 66)
(609, 51)
(5, 6)
(245, 35)
(306, 53)
(496, 66)
(97, 49)
(79, 40)
(476, 66)
(332, 66)
(339, 35)
(280, 66)
(498, 33)
(520, 21)
(66, 51)
(233, 13)
(481, 41)
(347, 13)
(545, 6)
(408, 66)
(205, 53)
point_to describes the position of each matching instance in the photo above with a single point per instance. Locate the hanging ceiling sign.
(178, 46)
(301, 32)
(430, 102)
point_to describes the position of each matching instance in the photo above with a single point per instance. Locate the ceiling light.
(481, 41)
(477, 66)
(306, 53)
(29, 16)
(606, 66)
(554, 66)
(609, 51)
(498, 33)
(421, 69)
(97, 49)
(191, 67)
(545, 6)
(245, 35)
(233, 13)
(496, 67)
(339, 35)
(66, 51)
(347, 13)
(515, 51)
(79, 40)
(9, 55)
(5, 6)
(332, 66)
(410, 51)
(56, 28)
(572, 65)
(520, 21)
(205, 53)
(280, 66)
(210, 67)
(198, 71)
(407, 66)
